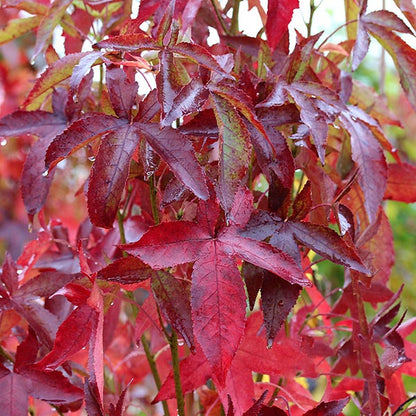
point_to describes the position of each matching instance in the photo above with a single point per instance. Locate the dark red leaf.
(109, 175)
(9, 274)
(173, 298)
(190, 99)
(37, 122)
(328, 409)
(126, 271)
(199, 54)
(178, 153)
(79, 134)
(122, 91)
(278, 297)
(13, 393)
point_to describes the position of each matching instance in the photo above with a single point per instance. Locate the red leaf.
(73, 334)
(129, 43)
(402, 54)
(199, 54)
(109, 175)
(40, 123)
(194, 371)
(9, 274)
(279, 15)
(401, 182)
(169, 244)
(218, 323)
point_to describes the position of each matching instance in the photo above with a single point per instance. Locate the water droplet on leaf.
(3, 142)
(46, 173)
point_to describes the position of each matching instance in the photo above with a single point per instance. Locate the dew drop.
(91, 158)
(354, 118)
(3, 142)
(181, 342)
(313, 96)
(19, 272)
(46, 173)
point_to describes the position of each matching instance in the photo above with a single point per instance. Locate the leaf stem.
(335, 31)
(153, 202)
(173, 342)
(234, 18)
(219, 17)
(152, 364)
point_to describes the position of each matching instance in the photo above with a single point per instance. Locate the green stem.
(218, 14)
(309, 24)
(6, 355)
(152, 364)
(234, 18)
(153, 202)
(173, 342)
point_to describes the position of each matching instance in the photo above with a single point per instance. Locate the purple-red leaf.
(178, 153)
(169, 244)
(79, 134)
(122, 92)
(371, 162)
(109, 175)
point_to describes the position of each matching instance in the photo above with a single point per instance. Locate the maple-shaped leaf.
(120, 137)
(218, 325)
(284, 234)
(279, 15)
(23, 381)
(318, 107)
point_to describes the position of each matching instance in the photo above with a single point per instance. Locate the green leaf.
(18, 27)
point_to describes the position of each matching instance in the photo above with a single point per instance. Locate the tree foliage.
(216, 181)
